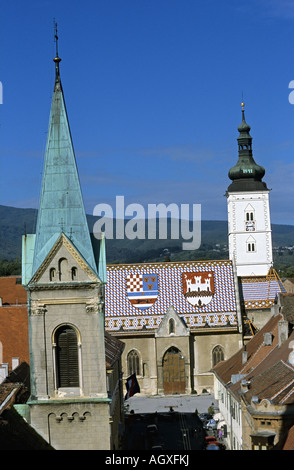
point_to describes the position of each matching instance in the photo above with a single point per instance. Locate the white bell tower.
(249, 227)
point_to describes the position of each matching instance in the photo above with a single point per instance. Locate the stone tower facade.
(69, 404)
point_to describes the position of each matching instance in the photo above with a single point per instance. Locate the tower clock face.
(250, 226)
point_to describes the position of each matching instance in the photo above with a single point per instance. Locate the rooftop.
(11, 291)
(263, 364)
(137, 296)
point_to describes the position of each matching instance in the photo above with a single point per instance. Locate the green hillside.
(16, 222)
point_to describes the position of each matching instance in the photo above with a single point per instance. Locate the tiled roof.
(8, 392)
(287, 305)
(288, 442)
(260, 291)
(16, 381)
(267, 369)
(11, 291)
(275, 384)
(113, 349)
(255, 349)
(211, 301)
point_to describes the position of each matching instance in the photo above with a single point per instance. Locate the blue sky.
(153, 91)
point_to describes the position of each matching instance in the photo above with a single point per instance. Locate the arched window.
(250, 219)
(171, 326)
(63, 269)
(74, 274)
(67, 357)
(217, 355)
(250, 245)
(133, 363)
(52, 274)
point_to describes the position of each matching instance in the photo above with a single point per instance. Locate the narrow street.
(175, 431)
(167, 422)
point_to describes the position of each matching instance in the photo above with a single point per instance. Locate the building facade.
(254, 387)
(176, 321)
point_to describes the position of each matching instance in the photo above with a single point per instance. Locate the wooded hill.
(15, 222)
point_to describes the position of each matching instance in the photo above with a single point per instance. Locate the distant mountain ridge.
(15, 222)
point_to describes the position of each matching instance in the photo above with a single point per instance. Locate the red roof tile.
(11, 291)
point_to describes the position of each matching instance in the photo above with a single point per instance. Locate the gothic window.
(67, 357)
(171, 326)
(217, 355)
(133, 363)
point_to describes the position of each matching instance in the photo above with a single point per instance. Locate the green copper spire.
(61, 206)
(246, 175)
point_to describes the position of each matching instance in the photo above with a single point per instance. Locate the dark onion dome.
(246, 175)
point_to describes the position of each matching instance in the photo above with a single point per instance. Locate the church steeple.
(61, 208)
(249, 228)
(246, 175)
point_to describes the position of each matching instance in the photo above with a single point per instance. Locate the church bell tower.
(69, 404)
(249, 227)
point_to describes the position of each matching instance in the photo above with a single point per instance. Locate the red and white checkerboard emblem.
(135, 283)
(142, 289)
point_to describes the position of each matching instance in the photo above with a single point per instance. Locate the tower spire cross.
(55, 37)
(57, 58)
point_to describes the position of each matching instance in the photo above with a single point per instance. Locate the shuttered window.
(67, 357)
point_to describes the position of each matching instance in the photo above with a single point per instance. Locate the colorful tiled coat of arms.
(137, 296)
(142, 289)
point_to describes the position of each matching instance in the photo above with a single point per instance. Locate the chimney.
(283, 331)
(245, 385)
(267, 339)
(291, 355)
(244, 357)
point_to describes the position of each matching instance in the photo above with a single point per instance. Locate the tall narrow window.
(74, 274)
(249, 219)
(217, 355)
(52, 274)
(67, 361)
(171, 326)
(251, 245)
(63, 269)
(133, 363)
